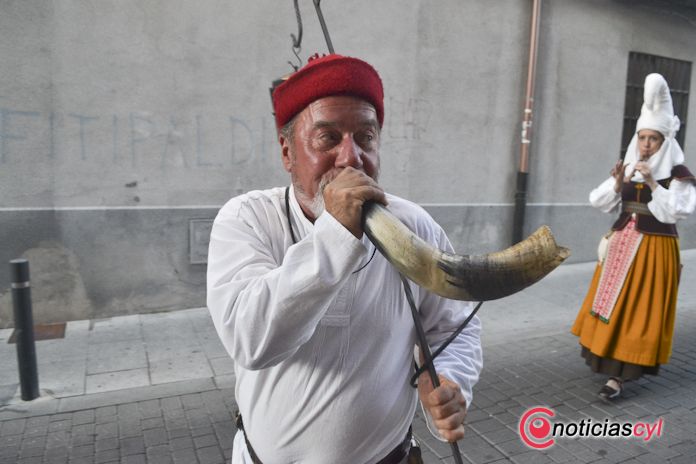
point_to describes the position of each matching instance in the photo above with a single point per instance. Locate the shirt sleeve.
(604, 197)
(669, 205)
(264, 311)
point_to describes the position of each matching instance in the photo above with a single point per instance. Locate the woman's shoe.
(612, 389)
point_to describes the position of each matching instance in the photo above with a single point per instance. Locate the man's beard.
(317, 206)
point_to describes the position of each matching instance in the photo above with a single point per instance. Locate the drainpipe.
(523, 172)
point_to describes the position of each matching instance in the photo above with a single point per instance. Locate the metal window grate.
(678, 76)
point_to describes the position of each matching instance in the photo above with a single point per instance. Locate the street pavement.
(158, 388)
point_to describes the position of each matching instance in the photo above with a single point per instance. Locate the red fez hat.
(327, 76)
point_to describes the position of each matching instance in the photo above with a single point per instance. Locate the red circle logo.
(535, 427)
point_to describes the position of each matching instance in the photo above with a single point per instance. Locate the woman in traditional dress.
(626, 322)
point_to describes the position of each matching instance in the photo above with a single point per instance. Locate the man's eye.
(367, 137)
(327, 137)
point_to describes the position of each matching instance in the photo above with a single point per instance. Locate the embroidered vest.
(641, 193)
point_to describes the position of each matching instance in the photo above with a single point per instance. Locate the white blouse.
(667, 205)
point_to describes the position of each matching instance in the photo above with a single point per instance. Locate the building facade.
(125, 125)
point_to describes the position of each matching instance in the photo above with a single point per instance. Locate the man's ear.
(285, 152)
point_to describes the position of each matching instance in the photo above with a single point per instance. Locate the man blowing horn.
(314, 318)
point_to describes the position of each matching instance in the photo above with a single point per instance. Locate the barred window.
(677, 73)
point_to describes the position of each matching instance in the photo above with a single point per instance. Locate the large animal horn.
(462, 277)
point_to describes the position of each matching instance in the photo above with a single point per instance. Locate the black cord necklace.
(287, 213)
(292, 233)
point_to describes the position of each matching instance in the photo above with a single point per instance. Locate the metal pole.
(24, 329)
(323, 26)
(523, 172)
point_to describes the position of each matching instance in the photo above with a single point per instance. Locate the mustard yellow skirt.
(639, 332)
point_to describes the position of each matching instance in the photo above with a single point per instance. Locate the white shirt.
(323, 354)
(667, 205)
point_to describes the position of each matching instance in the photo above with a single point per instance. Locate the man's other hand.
(446, 406)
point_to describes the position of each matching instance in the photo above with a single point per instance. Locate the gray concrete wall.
(94, 263)
(122, 121)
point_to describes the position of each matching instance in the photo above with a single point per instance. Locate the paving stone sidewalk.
(198, 427)
(530, 360)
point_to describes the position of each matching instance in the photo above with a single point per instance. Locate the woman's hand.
(644, 169)
(617, 172)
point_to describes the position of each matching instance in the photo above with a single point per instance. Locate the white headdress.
(657, 113)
